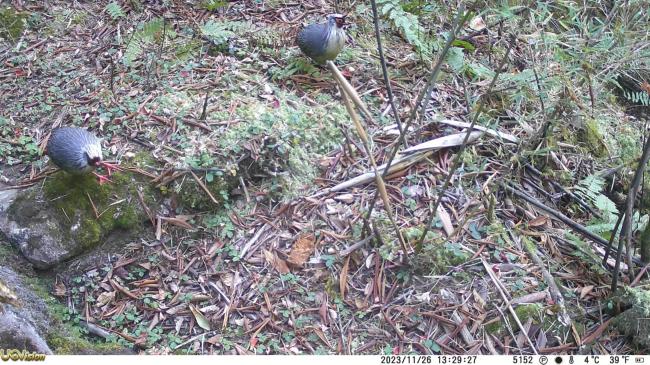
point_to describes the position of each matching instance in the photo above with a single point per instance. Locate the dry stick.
(557, 215)
(505, 298)
(626, 231)
(458, 22)
(384, 69)
(207, 92)
(576, 198)
(608, 248)
(381, 187)
(349, 89)
(205, 188)
(553, 289)
(457, 160)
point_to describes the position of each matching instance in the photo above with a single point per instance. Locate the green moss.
(63, 336)
(633, 321)
(524, 313)
(12, 23)
(81, 199)
(90, 233)
(437, 256)
(591, 135)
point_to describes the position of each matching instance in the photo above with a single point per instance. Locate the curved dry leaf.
(200, 318)
(279, 264)
(445, 219)
(343, 278)
(105, 298)
(302, 249)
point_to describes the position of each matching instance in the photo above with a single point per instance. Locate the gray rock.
(23, 327)
(67, 215)
(41, 240)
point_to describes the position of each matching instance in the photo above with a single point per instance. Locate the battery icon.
(639, 360)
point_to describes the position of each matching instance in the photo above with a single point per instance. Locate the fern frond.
(144, 36)
(115, 10)
(219, 32)
(408, 26)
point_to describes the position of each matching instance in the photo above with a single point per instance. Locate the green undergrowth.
(65, 336)
(276, 146)
(12, 23)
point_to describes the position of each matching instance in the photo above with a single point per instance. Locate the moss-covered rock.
(70, 214)
(633, 322)
(591, 135)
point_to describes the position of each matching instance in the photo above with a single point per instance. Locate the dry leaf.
(105, 298)
(7, 295)
(200, 318)
(343, 278)
(277, 263)
(302, 249)
(215, 340)
(539, 221)
(445, 219)
(585, 291)
(180, 221)
(477, 23)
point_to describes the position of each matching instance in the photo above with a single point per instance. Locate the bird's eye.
(92, 161)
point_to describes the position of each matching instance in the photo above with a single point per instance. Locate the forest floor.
(264, 256)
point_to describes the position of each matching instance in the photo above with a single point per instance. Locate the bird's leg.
(109, 167)
(102, 178)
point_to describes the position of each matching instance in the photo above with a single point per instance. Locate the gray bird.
(323, 42)
(77, 151)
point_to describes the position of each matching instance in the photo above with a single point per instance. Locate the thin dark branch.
(458, 23)
(557, 215)
(384, 69)
(457, 160)
(626, 230)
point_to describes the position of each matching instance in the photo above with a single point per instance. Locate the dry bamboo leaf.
(277, 263)
(539, 221)
(158, 228)
(302, 249)
(445, 219)
(322, 337)
(178, 221)
(585, 291)
(492, 132)
(323, 311)
(451, 140)
(343, 278)
(60, 290)
(200, 318)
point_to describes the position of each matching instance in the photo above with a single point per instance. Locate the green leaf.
(463, 44)
(200, 318)
(115, 10)
(456, 59)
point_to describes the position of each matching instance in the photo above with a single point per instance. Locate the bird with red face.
(324, 41)
(77, 151)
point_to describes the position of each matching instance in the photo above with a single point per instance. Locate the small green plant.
(408, 26)
(115, 10)
(142, 38)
